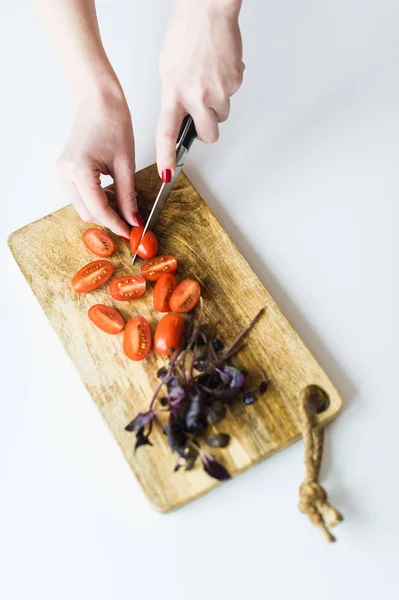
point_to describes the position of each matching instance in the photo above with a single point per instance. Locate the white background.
(305, 180)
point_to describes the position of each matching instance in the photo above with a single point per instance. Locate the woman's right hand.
(102, 141)
(201, 68)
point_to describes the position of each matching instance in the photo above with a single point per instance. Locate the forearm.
(73, 28)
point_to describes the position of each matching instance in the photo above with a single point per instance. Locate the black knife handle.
(187, 133)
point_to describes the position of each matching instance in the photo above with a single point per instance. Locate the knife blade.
(186, 137)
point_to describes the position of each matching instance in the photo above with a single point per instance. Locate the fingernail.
(126, 239)
(166, 175)
(138, 219)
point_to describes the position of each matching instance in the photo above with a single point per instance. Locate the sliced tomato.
(148, 247)
(185, 297)
(137, 339)
(153, 269)
(163, 290)
(98, 242)
(169, 333)
(92, 276)
(106, 318)
(129, 287)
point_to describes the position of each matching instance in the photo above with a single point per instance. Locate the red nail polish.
(126, 239)
(138, 219)
(166, 175)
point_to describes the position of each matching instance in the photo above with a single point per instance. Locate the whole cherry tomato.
(169, 333)
(147, 247)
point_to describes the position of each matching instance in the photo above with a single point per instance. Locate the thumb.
(169, 124)
(126, 196)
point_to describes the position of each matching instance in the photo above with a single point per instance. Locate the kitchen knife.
(186, 137)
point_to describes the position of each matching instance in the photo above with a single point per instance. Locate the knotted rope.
(313, 500)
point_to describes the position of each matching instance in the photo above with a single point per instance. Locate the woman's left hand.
(201, 68)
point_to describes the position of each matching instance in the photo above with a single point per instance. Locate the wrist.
(228, 8)
(103, 90)
(95, 83)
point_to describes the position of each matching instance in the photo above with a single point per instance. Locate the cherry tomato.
(106, 318)
(148, 247)
(185, 296)
(153, 269)
(169, 333)
(129, 287)
(92, 276)
(98, 242)
(163, 290)
(137, 339)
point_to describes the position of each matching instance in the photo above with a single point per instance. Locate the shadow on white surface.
(328, 362)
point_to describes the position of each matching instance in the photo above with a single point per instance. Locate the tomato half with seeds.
(129, 287)
(106, 318)
(148, 247)
(98, 242)
(185, 297)
(169, 333)
(163, 290)
(153, 269)
(137, 339)
(92, 276)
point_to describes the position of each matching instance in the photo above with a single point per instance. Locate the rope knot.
(309, 495)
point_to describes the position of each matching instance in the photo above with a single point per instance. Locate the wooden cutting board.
(50, 251)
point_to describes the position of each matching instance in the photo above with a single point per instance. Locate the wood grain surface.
(50, 251)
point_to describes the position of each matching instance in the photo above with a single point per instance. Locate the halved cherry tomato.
(153, 269)
(98, 242)
(92, 276)
(163, 290)
(148, 247)
(106, 318)
(185, 296)
(168, 334)
(137, 339)
(129, 287)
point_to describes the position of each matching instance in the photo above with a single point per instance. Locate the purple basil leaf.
(214, 468)
(249, 399)
(139, 422)
(215, 412)
(210, 380)
(191, 457)
(200, 365)
(236, 377)
(214, 380)
(217, 345)
(177, 439)
(141, 439)
(195, 416)
(175, 389)
(217, 440)
(227, 396)
(162, 372)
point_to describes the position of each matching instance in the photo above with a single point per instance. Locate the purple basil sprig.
(197, 386)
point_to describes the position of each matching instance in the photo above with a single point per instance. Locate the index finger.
(96, 202)
(170, 120)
